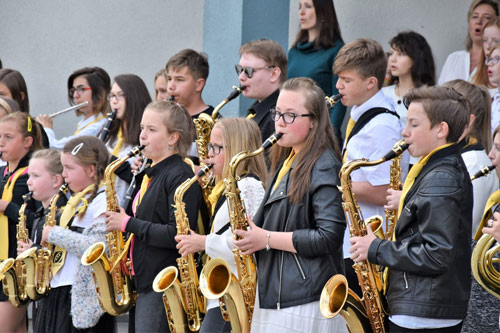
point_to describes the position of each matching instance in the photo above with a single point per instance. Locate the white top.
(373, 141)
(495, 112)
(482, 187)
(401, 110)
(65, 276)
(252, 193)
(422, 323)
(456, 66)
(121, 186)
(85, 127)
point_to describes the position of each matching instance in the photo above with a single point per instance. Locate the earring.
(170, 147)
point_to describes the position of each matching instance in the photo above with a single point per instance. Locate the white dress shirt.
(85, 126)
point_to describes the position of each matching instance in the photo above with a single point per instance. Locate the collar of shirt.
(152, 171)
(379, 100)
(496, 97)
(85, 122)
(261, 109)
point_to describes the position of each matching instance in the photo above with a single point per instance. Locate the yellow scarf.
(92, 122)
(250, 115)
(284, 169)
(350, 126)
(4, 220)
(215, 195)
(119, 143)
(492, 201)
(144, 188)
(410, 180)
(70, 210)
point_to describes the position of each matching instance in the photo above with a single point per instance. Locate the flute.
(71, 108)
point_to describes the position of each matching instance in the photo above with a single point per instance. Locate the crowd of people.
(301, 229)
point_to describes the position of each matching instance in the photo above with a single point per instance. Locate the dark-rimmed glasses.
(248, 70)
(215, 148)
(119, 96)
(80, 90)
(288, 117)
(492, 61)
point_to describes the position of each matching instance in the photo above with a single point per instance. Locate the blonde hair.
(240, 134)
(480, 78)
(177, 120)
(475, 3)
(270, 51)
(52, 159)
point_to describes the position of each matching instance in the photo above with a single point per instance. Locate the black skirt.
(53, 315)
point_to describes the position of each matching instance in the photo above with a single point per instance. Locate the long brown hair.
(320, 138)
(240, 134)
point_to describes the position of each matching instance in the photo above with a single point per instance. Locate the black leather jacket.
(318, 223)
(429, 263)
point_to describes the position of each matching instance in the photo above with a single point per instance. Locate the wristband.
(267, 242)
(124, 223)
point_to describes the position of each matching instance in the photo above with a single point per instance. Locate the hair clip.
(30, 124)
(77, 149)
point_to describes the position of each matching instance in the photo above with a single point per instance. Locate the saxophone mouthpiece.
(337, 97)
(483, 172)
(235, 92)
(171, 98)
(332, 100)
(397, 150)
(272, 140)
(204, 170)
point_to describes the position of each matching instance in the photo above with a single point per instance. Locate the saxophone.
(183, 300)
(391, 215)
(369, 312)
(203, 126)
(332, 100)
(111, 272)
(38, 261)
(216, 279)
(13, 271)
(482, 263)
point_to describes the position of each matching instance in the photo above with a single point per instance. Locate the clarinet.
(105, 131)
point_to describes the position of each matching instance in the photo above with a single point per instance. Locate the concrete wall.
(47, 40)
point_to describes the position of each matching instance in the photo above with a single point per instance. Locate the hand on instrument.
(45, 235)
(45, 121)
(136, 165)
(114, 220)
(393, 198)
(493, 227)
(191, 243)
(360, 245)
(21, 246)
(253, 240)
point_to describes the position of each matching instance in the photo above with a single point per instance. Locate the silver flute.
(71, 108)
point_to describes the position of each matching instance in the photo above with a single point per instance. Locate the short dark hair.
(327, 25)
(99, 82)
(196, 62)
(364, 55)
(17, 86)
(442, 104)
(414, 45)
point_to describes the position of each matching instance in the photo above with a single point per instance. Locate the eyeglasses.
(492, 61)
(215, 148)
(119, 97)
(80, 90)
(248, 70)
(288, 117)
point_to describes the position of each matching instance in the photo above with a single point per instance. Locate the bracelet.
(267, 242)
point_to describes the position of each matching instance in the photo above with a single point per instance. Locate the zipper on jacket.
(300, 267)
(406, 281)
(279, 289)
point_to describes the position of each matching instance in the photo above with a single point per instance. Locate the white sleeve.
(92, 130)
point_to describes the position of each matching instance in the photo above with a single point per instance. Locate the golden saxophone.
(13, 271)
(366, 314)
(203, 126)
(482, 172)
(391, 215)
(38, 261)
(111, 272)
(183, 300)
(216, 279)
